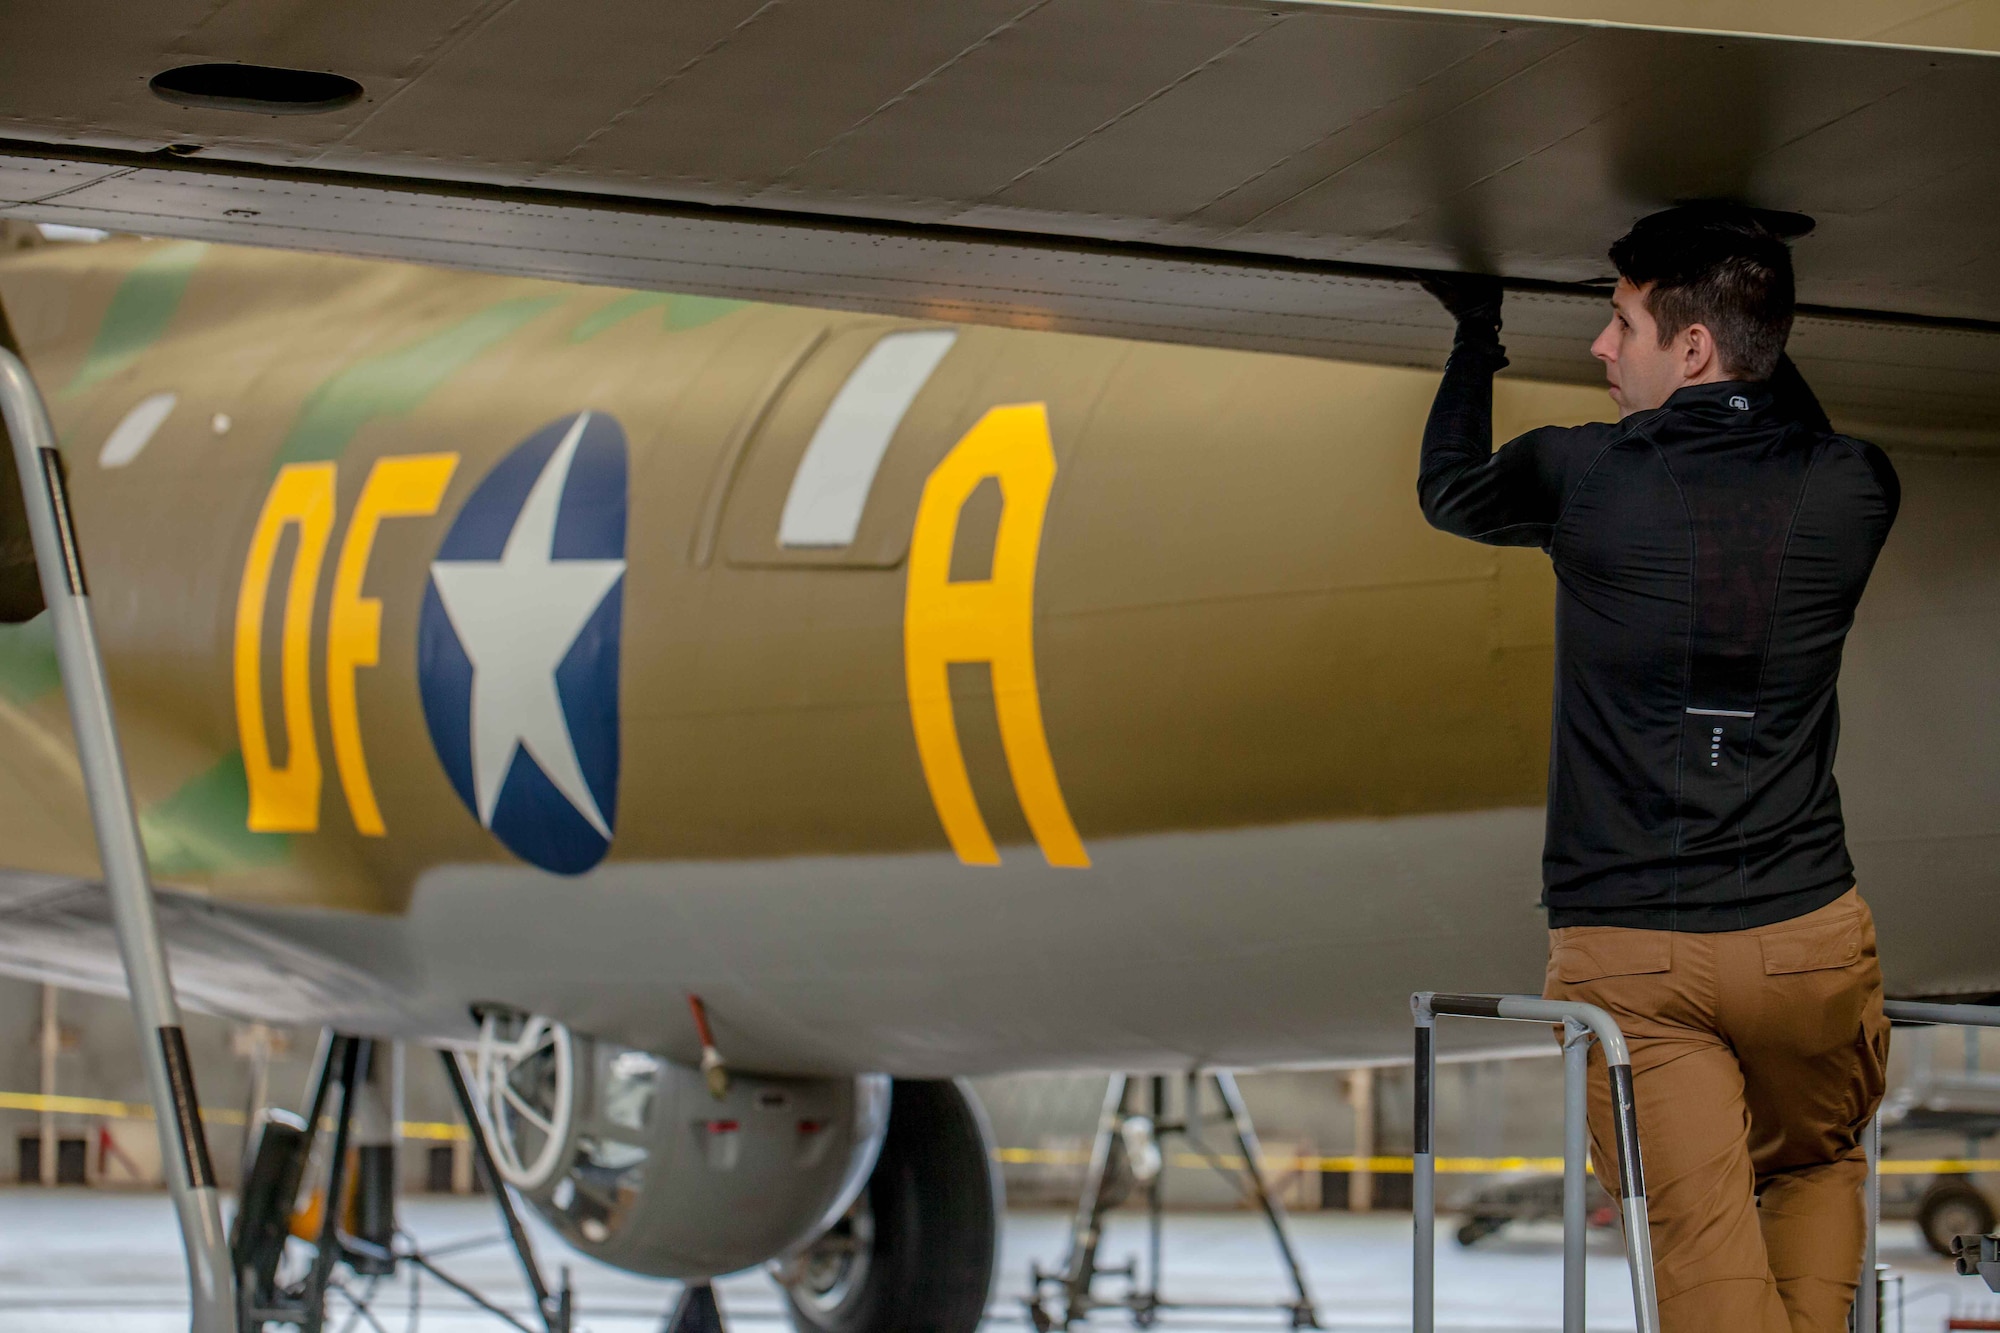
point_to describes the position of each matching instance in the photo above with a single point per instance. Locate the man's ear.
(1699, 354)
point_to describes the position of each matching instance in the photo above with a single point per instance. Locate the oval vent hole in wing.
(261, 88)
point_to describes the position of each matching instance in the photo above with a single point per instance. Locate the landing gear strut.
(696, 1311)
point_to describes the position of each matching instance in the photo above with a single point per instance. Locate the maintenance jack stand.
(362, 1238)
(1127, 1151)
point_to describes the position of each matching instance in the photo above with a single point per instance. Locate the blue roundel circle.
(517, 644)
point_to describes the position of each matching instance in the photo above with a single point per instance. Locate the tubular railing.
(1580, 1023)
(163, 1050)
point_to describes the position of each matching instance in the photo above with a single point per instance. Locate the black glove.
(1473, 299)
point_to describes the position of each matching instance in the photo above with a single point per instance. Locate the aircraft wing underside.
(1254, 175)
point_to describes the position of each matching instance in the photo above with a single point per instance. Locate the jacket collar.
(1727, 402)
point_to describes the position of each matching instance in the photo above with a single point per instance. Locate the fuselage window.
(830, 489)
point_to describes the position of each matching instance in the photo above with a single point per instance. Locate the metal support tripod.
(1125, 1151)
(263, 1223)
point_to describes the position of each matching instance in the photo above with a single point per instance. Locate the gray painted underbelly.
(1245, 947)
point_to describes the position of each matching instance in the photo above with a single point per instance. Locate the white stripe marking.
(135, 431)
(1719, 712)
(830, 488)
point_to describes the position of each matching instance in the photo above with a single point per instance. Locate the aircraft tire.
(1952, 1207)
(916, 1252)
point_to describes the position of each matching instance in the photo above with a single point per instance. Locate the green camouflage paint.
(139, 313)
(682, 312)
(201, 828)
(617, 312)
(28, 667)
(691, 312)
(397, 381)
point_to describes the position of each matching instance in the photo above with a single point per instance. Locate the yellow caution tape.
(1392, 1166)
(447, 1132)
(33, 1101)
(439, 1130)
(1387, 1166)
(1939, 1166)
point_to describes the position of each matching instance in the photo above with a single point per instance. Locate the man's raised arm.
(1504, 498)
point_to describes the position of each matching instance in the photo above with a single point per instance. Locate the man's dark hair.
(1717, 266)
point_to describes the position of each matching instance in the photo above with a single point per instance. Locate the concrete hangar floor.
(75, 1261)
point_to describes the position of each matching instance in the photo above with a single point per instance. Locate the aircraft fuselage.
(482, 640)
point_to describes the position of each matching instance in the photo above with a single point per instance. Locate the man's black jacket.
(1709, 555)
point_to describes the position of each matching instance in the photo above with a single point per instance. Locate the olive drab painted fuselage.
(930, 698)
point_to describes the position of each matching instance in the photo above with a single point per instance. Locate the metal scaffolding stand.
(1580, 1024)
(1127, 1150)
(169, 1077)
(1976, 1256)
(375, 1246)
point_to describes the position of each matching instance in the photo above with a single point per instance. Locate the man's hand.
(1473, 299)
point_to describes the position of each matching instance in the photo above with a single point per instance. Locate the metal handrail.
(163, 1048)
(1580, 1024)
(1946, 1015)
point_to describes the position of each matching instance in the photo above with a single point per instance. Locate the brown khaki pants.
(1757, 1060)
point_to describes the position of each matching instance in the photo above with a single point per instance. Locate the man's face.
(1642, 373)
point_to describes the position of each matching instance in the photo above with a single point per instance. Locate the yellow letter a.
(989, 620)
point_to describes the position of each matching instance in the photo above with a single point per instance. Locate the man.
(20, 585)
(1709, 551)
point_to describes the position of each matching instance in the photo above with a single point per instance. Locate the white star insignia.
(516, 618)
